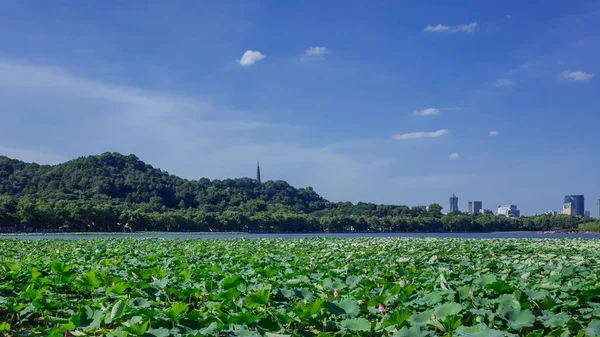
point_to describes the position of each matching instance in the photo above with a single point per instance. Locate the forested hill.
(107, 191)
(128, 179)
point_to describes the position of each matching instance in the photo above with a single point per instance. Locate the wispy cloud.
(250, 57)
(314, 53)
(504, 82)
(420, 134)
(454, 156)
(437, 28)
(576, 75)
(427, 112)
(466, 28)
(493, 133)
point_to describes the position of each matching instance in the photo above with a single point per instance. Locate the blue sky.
(400, 102)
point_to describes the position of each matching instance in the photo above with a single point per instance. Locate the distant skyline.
(391, 102)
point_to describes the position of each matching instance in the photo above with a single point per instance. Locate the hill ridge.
(103, 192)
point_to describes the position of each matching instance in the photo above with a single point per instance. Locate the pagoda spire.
(258, 172)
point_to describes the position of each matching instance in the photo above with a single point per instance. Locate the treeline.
(110, 192)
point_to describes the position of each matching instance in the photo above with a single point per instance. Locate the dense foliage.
(593, 227)
(301, 287)
(105, 192)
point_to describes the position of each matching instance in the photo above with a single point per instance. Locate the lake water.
(496, 235)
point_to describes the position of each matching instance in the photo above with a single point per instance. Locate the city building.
(577, 204)
(423, 208)
(598, 208)
(474, 207)
(568, 208)
(586, 213)
(509, 211)
(550, 212)
(454, 203)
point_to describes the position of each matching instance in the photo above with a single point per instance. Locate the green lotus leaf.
(138, 328)
(176, 310)
(396, 318)
(485, 279)
(518, 319)
(353, 281)
(305, 294)
(89, 280)
(209, 330)
(420, 319)
(118, 289)
(593, 329)
(259, 298)
(231, 282)
(555, 320)
(116, 311)
(447, 309)
(356, 324)
(478, 330)
(536, 295)
(414, 331)
(347, 306)
(118, 332)
(140, 303)
(88, 319)
(160, 332)
(508, 301)
(4, 327)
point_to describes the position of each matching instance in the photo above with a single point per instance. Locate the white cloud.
(427, 112)
(504, 82)
(467, 28)
(576, 75)
(493, 133)
(250, 57)
(438, 28)
(316, 51)
(454, 156)
(421, 134)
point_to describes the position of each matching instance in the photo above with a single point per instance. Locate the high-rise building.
(587, 213)
(577, 204)
(474, 207)
(568, 208)
(598, 208)
(509, 211)
(454, 203)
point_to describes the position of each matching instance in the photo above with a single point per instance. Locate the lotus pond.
(300, 287)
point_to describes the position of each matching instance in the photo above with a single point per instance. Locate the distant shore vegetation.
(115, 193)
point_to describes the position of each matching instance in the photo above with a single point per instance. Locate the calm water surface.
(498, 235)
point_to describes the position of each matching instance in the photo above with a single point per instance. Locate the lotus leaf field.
(300, 287)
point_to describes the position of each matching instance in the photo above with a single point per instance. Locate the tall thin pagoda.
(258, 172)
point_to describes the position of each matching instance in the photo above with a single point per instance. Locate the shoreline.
(236, 233)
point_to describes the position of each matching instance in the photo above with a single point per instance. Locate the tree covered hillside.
(105, 192)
